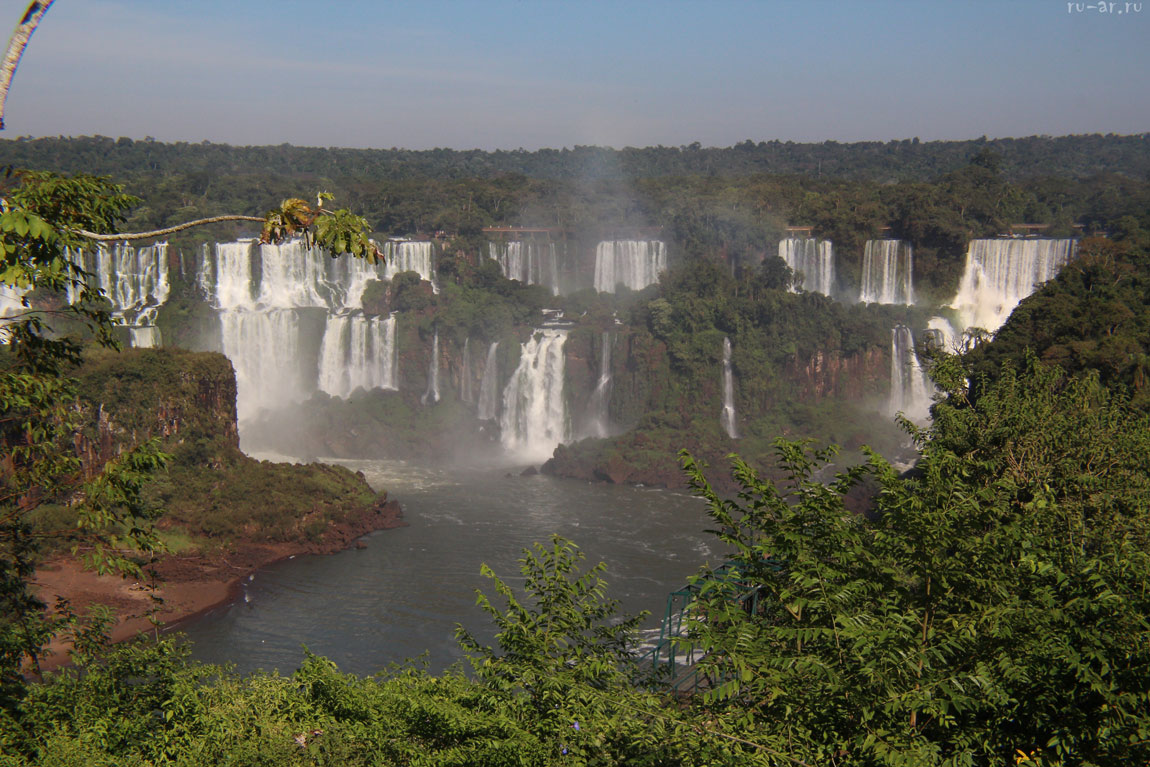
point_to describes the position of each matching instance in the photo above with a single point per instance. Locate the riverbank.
(188, 585)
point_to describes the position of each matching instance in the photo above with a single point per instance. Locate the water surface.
(402, 595)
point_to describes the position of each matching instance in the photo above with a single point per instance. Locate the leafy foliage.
(993, 601)
(39, 420)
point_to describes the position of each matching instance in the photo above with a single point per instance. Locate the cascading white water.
(409, 256)
(813, 260)
(728, 418)
(532, 263)
(910, 387)
(135, 282)
(1000, 273)
(633, 263)
(887, 273)
(146, 337)
(598, 423)
(944, 336)
(358, 352)
(465, 390)
(263, 347)
(432, 393)
(11, 300)
(534, 420)
(485, 410)
(273, 298)
(11, 305)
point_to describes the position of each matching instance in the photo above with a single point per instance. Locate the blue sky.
(533, 73)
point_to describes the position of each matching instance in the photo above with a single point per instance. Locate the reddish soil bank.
(190, 584)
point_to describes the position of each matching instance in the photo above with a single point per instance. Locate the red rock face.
(830, 374)
(197, 401)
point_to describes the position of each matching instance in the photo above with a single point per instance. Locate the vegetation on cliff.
(88, 434)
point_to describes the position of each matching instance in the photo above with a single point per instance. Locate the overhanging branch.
(161, 232)
(16, 45)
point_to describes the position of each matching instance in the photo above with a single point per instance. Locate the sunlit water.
(403, 594)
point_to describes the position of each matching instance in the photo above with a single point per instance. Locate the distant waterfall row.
(275, 300)
(135, 282)
(887, 273)
(887, 269)
(634, 264)
(532, 263)
(250, 275)
(813, 262)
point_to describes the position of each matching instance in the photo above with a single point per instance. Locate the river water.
(402, 596)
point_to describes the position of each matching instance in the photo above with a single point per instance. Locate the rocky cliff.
(211, 492)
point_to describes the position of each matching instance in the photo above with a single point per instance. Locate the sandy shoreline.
(187, 585)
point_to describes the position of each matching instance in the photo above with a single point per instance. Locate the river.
(403, 594)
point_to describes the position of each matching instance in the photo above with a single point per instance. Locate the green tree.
(995, 601)
(39, 420)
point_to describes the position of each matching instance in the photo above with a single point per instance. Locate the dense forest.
(1073, 157)
(987, 607)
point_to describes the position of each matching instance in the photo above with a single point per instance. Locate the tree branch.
(16, 45)
(162, 232)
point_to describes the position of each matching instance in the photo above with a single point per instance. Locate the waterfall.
(146, 337)
(534, 419)
(634, 263)
(465, 392)
(529, 262)
(292, 320)
(135, 282)
(910, 387)
(943, 334)
(264, 348)
(1000, 273)
(597, 406)
(486, 407)
(812, 260)
(887, 273)
(728, 418)
(432, 393)
(358, 352)
(11, 304)
(409, 256)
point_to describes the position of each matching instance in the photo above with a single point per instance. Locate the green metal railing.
(673, 661)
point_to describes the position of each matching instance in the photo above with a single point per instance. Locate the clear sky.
(533, 73)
